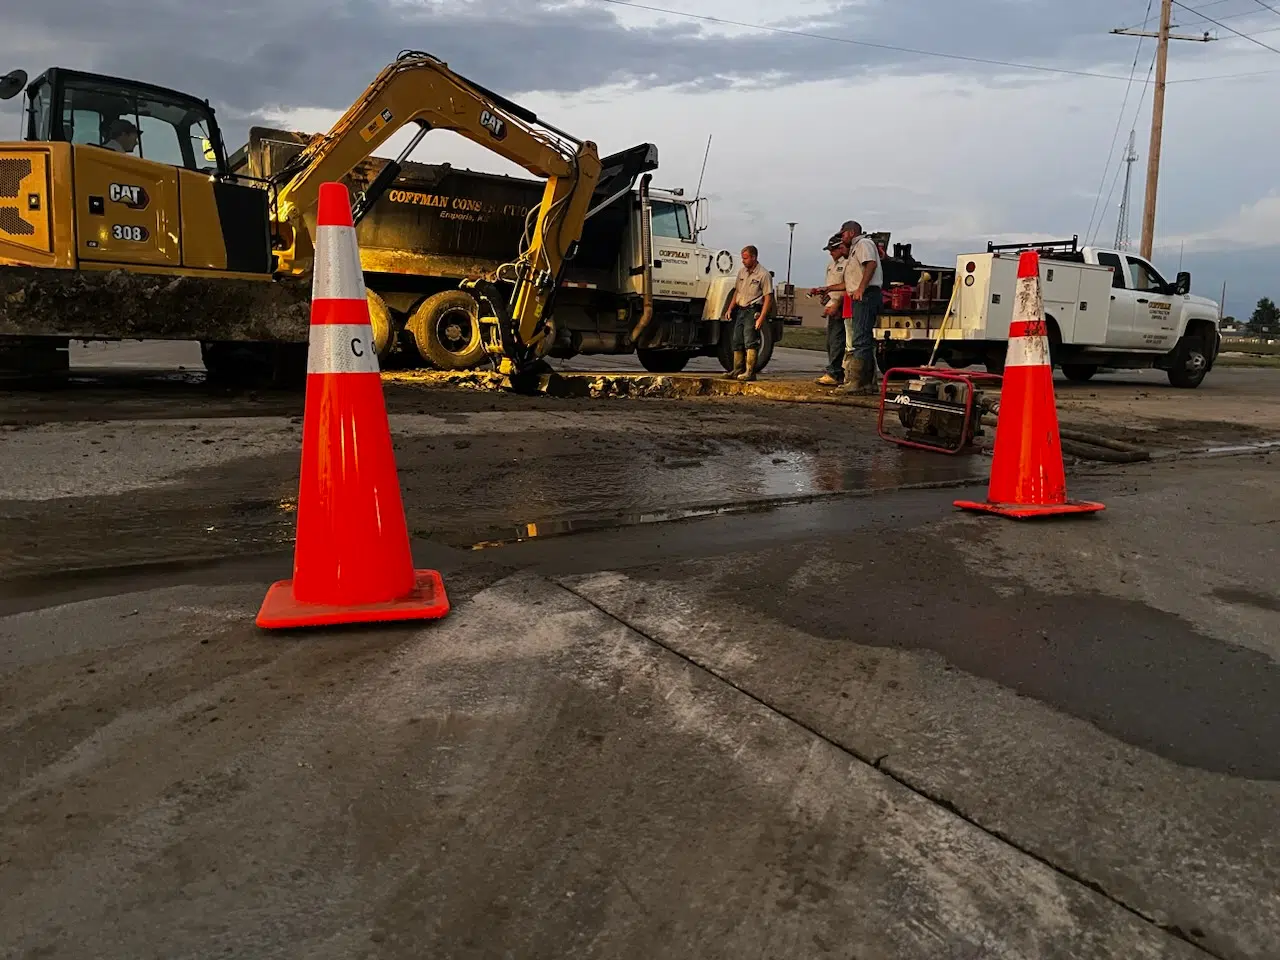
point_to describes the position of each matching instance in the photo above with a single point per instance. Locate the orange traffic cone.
(352, 562)
(1027, 478)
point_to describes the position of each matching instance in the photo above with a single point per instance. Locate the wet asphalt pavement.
(714, 684)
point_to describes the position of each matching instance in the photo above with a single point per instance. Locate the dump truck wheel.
(663, 361)
(380, 320)
(724, 351)
(446, 330)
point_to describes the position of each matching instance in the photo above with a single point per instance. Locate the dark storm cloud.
(249, 55)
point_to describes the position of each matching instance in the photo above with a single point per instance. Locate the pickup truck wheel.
(663, 361)
(1190, 364)
(1079, 372)
(446, 330)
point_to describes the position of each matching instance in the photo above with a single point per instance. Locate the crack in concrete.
(1172, 930)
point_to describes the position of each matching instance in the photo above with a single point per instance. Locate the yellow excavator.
(120, 217)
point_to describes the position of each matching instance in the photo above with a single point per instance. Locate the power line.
(1203, 6)
(1267, 6)
(1176, 3)
(1119, 120)
(863, 43)
(1226, 76)
(1136, 112)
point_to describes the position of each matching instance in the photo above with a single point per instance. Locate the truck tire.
(663, 361)
(1079, 372)
(380, 321)
(725, 352)
(1190, 363)
(446, 330)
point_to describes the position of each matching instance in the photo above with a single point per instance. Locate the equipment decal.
(494, 124)
(135, 198)
(370, 129)
(129, 232)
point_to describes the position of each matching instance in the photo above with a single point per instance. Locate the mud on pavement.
(848, 726)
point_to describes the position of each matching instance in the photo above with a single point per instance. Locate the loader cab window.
(139, 123)
(1117, 269)
(671, 220)
(41, 117)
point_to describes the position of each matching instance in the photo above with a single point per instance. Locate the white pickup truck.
(1103, 308)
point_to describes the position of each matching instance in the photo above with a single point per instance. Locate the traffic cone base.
(1023, 511)
(426, 601)
(352, 559)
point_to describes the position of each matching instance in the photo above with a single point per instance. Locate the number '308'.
(128, 232)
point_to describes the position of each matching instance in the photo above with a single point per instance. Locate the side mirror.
(11, 83)
(1183, 285)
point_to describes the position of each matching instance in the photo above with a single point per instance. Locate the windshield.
(141, 124)
(671, 220)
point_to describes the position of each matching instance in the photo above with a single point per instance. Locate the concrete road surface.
(850, 721)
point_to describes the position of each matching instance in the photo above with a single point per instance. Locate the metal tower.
(1122, 224)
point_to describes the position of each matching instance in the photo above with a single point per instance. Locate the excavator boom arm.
(421, 89)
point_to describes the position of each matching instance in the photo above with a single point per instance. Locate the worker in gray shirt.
(833, 376)
(862, 282)
(748, 309)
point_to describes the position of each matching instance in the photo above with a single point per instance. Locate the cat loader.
(121, 218)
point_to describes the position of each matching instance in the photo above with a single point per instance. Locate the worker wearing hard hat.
(861, 285)
(833, 376)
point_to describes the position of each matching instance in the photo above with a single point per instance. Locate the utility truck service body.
(436, 224)
(1103, 308)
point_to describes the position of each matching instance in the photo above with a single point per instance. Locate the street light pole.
(790, 240)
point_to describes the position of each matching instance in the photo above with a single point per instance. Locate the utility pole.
(1122, 223)
(1163, 36)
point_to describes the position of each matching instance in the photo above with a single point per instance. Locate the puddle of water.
(738, 480)
(482, 504)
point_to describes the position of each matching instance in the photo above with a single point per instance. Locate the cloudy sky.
(921, 117)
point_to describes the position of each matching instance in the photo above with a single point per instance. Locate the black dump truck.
(639, 261)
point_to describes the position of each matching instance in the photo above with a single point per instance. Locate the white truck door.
(1120, 319)
(1154, 318)
(675, 261)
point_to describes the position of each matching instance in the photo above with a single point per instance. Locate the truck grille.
(13, 224)
(25, 218)
(13, 170)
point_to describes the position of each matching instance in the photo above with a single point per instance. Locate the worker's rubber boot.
(750, 372)
(739, 365)
(855, 374)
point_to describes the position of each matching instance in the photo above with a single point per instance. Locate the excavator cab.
(115, 172)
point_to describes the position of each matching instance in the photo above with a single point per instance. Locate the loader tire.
(446, 330)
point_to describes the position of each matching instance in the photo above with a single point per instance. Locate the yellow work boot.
(739, 365)
(750, 372)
